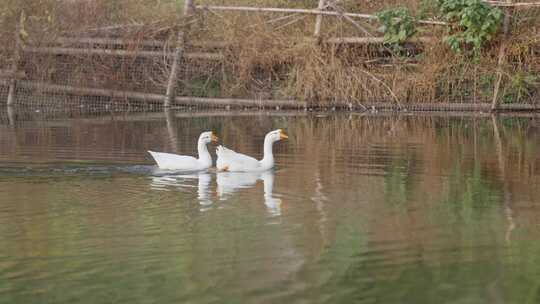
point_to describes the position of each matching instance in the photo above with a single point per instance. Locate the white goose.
(228, 160)
(170, 161)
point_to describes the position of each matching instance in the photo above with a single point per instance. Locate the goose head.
(207, 137)
(276, 135)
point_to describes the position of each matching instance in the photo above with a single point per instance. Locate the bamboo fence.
(154, 49)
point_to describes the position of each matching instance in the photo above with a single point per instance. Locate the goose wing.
(170, 161)
(233, 161)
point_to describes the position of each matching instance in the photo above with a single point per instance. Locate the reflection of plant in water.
(395, 183)
(450, 248)
(469, 195)
(517, 137)
(339, 261)
(524, 286)
(471, 216)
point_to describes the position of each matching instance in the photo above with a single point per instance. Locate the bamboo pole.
(300, 11)
(114, 27)
(119, 53)
(147, 43)
(220, 112)
(149, 97)
(16, 58)
(502, 57)
(9, 74)
(284, 104)
(338, 9)
(372, 40)
(318, 21)
(11, 115)
(511, 4)
(108, 41)
(178, 54)
(171, 129)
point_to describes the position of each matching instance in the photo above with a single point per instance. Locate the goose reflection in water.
(230, 182)
(165, 179)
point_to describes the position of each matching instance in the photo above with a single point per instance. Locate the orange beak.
(282, 135)
(214, 138)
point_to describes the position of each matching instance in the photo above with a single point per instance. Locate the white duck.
(228, 160)
(170, 161)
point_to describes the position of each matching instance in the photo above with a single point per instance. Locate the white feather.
(229, 160)
(170, 161)
(175, 162)
(232, 161)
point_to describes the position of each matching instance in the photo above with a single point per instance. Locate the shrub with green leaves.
(397, 25)
(472, 23)
(521, 86)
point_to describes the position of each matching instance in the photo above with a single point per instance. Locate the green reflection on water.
(373, 210)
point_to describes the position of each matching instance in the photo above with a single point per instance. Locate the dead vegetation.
(267, 56)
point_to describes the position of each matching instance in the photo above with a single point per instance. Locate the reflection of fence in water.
(148, 61)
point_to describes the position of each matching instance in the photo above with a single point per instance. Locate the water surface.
(361, 208)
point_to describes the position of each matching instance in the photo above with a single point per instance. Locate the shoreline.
(22, 113)
(107, 98)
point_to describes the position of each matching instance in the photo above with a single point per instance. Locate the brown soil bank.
(334, 59)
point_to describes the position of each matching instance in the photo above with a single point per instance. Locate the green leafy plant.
(520, 87)
(472, 23)
(397, 25)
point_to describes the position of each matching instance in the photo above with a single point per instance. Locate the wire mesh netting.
(99, 50)
(119, 52)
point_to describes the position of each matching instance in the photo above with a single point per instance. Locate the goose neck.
(204, 155)
(268, 155)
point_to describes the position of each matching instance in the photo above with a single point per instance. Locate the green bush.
(521, 87)
(472, 23)
(397, 25)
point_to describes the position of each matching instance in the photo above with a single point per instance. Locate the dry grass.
(271, 58)
(339, 74)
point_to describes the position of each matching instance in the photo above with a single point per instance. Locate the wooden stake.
(15, 64)
(502, 57)
(178, 54)
(318, 21)
(171, 129)
(11, 115)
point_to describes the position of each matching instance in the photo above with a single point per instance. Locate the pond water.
(361, 208)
